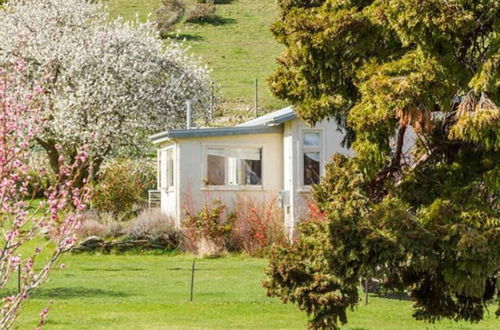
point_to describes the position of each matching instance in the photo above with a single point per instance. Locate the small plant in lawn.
(169, 14)
(201, 12)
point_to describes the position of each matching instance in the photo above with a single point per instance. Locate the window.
(311, 160)
(243, 166)
(216, 166)
(166, 168)
(170, 167)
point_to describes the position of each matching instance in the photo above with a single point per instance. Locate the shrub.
(151, 223)
(122, 185)
(169, 14)
(208, 231)
(155, 227)
(100, 225)
(145, 170)
(201, 12)
(91, 227)
(258, 225)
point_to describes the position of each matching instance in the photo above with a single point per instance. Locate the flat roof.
(213, 131)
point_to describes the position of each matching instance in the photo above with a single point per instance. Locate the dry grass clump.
(201, 12)
(100, 225)
(151, 223)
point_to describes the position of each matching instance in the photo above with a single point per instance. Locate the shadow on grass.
(76, 292)
(121, 269)
(216, 21)
(182, 36)
(393, 295)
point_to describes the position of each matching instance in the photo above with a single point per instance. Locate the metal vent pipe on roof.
(188, 114)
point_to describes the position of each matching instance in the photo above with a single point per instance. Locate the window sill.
(232, 188)
(305, 189)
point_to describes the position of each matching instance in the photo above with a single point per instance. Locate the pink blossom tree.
(52, 221)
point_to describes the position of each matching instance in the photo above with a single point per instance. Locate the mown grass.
(238, 46)
(152, 292)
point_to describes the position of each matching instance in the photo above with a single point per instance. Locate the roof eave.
(284, 118)
(208, 132)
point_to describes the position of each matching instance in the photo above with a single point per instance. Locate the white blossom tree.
(110, 83)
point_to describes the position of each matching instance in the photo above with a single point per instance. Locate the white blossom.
(109, 83)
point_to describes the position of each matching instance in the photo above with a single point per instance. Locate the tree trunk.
(87, 171)
(52, 153)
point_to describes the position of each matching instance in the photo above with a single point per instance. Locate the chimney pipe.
(188, 114)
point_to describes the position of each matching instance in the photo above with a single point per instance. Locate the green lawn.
(238, 46)
(152, 292)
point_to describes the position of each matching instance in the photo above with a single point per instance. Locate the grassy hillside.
(238, 46)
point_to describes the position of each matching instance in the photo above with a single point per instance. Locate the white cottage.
(273, 155)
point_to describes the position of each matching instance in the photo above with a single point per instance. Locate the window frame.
(303, 149)
(226, 147)
(163, 172)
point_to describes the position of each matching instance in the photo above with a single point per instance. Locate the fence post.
(256, 86)
(192, 280)
(19, 278)
(366, 290)
(212, 101)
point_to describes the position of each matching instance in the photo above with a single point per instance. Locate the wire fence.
(373, 287)
(254, 97)
(370, 288)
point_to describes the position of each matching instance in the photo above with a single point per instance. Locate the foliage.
(152, 224)
(169, 14)
(120, 187)
(100, 225)
(258, 224)
(201, 12)
(109, 83)
(22, 219)
(144, 169)
(207, 231)
(426, 221)
(40, 180)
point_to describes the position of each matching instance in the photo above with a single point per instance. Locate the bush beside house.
(250, 227)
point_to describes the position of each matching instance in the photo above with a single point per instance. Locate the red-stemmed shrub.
(258, 225)
(207, 231)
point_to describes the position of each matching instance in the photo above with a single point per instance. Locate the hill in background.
(238, 46)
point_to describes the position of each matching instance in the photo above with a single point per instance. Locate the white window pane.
(311, 168)
(216, 166)
(158, 169)
(232, 171)
(163, 169)
(245, 166)
(311, 139)
(170, 167)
